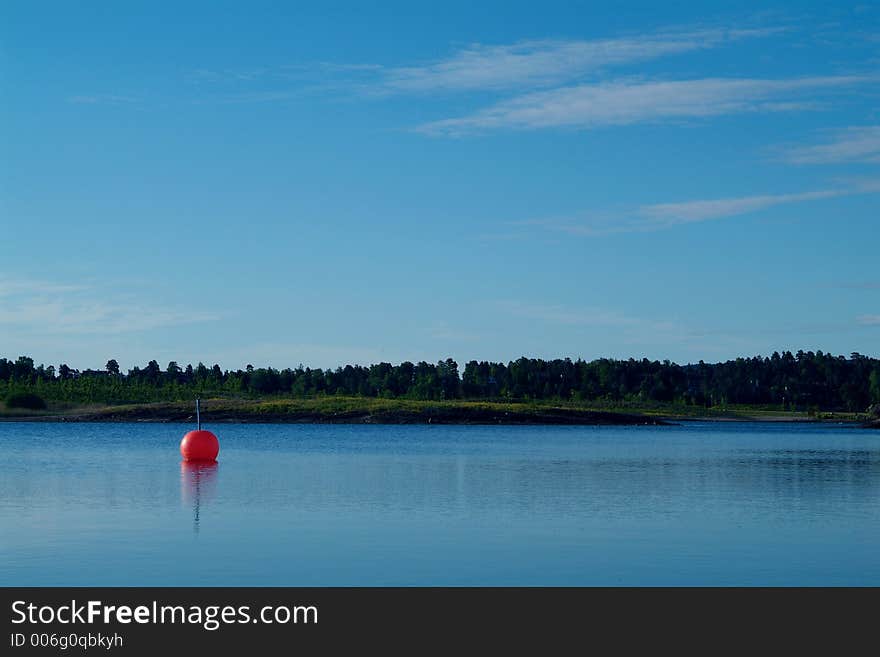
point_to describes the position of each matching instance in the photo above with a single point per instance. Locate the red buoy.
(199, 445)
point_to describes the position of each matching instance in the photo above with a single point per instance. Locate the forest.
(804, 381)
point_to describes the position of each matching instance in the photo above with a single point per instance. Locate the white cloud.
(658, 216)
(331, 67)
(667, 214)
(627, 102)
(290, 354)
(593, 317)
(527, 64)
(45, 308)
(856, 285)
(854, 144)
(591, 224)
(89, 316)
(625, 328)
(10, 287)
(445, 331)
(538, 63)
(869, 320)
(95, 99)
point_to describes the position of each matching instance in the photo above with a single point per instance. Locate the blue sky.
(247, 183)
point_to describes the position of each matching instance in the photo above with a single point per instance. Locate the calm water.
(742, 504)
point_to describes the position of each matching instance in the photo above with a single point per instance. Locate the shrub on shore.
(27, 400)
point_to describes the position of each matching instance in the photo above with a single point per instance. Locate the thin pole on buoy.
(199, 445)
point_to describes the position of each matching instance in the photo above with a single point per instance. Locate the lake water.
(291, 505)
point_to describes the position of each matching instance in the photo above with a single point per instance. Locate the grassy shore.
(367, 410)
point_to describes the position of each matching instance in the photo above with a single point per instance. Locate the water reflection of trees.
(769, 482)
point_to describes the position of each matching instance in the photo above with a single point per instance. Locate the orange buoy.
(199, 445)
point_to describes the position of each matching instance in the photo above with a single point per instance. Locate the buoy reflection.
(198, 486)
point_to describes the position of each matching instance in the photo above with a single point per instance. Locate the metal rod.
(198, 417)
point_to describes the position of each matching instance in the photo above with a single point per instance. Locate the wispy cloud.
(83, 316)
(588, 224)
(669, 214)
(291, 354)
(297, 71)
(594, 317)
(41, 307)
(200, 75)
(329, 67)
(854, 144)
(856, 285)
(523, 65)
(95, 99)
(538, 63)
(577, 320)
(257, 97)
(444, 331)
(526, 65)
(869, 320)
(10, 287)
(628, 102)
(658, 216)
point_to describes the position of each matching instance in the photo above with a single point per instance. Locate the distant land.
(783, 386)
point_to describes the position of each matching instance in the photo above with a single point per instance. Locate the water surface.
(703, 503)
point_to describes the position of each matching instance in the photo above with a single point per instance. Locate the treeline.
(802, 381)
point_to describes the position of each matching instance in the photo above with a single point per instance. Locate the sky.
(327, 183)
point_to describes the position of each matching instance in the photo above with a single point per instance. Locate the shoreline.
(397, 412)
(548, 417)
(371, 410)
